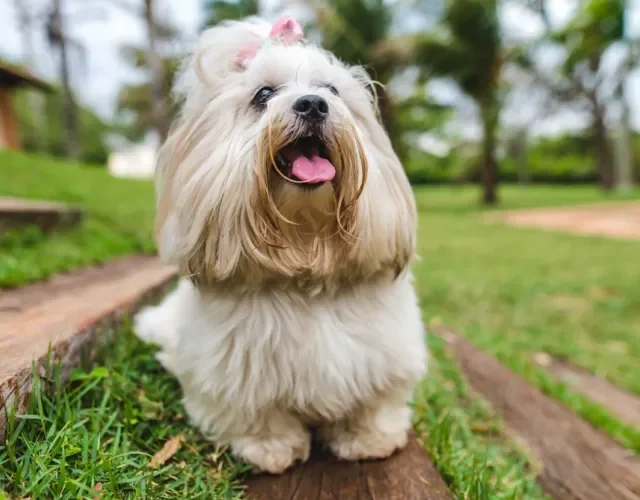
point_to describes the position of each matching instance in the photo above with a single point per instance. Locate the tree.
(59, 40)
(138, 100)
(468, 48)
(359, 32)
(157, 110)
(581, 78)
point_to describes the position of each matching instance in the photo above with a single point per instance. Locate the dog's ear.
(217, 53)
(388, 229)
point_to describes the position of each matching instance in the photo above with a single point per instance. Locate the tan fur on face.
(226, 215)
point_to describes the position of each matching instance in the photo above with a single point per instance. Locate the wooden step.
(624, 405)
(62, 319)
(16, 213)
(406, 475)
(580, 463)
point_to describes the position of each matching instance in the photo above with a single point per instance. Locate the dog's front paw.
(371, 433)
(273, 454)
(365, 445)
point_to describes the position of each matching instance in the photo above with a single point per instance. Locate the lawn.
(514, 292)
(120, 217)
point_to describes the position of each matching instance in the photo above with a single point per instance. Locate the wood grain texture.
(622, 404)
(407, 475)
(580, 463)
(16, 213)
(64, 325)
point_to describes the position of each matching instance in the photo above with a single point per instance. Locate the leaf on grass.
(169, 449)
(3, 495)
(97, 490)
(150, 410)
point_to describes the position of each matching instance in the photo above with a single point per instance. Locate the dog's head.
(278, 166)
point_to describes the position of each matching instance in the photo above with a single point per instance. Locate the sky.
(102, 29)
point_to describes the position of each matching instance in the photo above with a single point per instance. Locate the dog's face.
(278, 169)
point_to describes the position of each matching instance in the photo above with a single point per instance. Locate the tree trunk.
(69, 107)
(34, 98)
(521, 145)
(624, 157)
(624, 144)
(489, 114)
(604, 160)
(161, 122)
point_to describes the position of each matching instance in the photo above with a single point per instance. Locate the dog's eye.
(331, 89)
(262, 96)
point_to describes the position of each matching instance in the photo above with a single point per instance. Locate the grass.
(96, 437)
(119, 217)
(513, 292)
(516, 292)
(98, 434)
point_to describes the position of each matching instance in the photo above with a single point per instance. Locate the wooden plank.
(65, 325)
(406, 475)
(580, 463)
(16, 213)
(622, 404)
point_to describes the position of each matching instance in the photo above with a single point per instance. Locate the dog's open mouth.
(306, 161)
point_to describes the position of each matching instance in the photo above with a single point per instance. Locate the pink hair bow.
(286, 30)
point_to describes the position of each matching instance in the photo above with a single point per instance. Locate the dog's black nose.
(312, 107)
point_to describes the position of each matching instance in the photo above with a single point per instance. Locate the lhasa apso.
(283, 204)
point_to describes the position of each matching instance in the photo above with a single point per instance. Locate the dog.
(282, 203)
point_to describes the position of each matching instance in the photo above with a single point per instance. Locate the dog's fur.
(297, 309)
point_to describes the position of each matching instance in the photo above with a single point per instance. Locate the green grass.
(513, 292)
(103, 428)
(119, 221)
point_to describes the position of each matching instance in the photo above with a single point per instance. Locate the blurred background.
(518, 123)
(477, 91)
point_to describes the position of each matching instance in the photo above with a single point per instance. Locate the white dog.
(288, 213)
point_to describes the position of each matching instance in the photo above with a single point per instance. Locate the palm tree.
(597, 25)
(159, 109)
(359, 32)
(158, 94)
(468, 48)
(58, 39)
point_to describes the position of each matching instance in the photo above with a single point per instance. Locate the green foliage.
(598, 24)
(565, 159)
(41, 131)
(516, 292)
(223, 10)
(95, 436)
(119, 217)
(351, 29)
(135, 102)
(467, 47)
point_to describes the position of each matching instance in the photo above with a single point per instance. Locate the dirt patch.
(407, 475)
(580, 463)
(619, 220)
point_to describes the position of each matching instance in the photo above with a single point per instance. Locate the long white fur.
(263, 347)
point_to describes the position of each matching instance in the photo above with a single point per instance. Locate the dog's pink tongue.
(312, 170)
